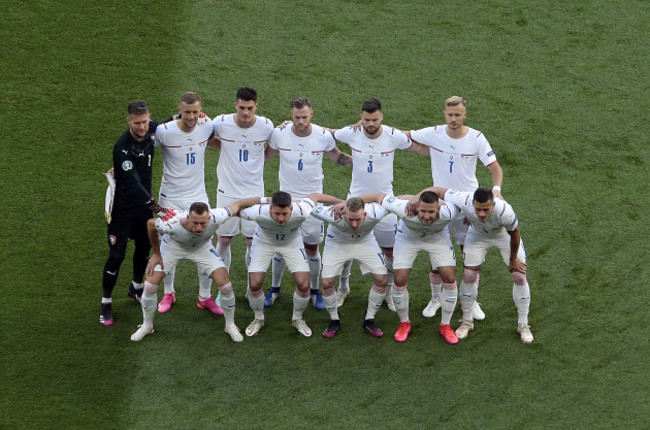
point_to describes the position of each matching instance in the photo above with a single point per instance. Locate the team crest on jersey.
(127, 165)
(112, 239)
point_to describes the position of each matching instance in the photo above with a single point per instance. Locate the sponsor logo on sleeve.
(491, 153)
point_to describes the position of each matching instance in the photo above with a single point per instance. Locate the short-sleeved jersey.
(372, 159)
(186, 238)
(502, 216)
(132, 167)
(183, 160)
(453, 161)
(339, 229)
(269, 231)
(301, 159)
(240, 171)
(411, 224)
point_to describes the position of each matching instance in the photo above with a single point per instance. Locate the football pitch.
(560, 90)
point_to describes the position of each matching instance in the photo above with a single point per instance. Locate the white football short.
(234, 225)
(385, 231)
(458, 228)
(438, 246)
(181, 204)
(292, 252)
(205, 256)
(311, 231)
(366, 251)
(477, 246)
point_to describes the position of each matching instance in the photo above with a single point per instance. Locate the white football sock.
(228, 306)
(205, 286)
(375, 300)
(257, 305)
(467, 299)
(449, 299)
(148, 301)
(521, 296)
(401, 300)
(168, 281)
(299, 305)
(224, 252)
(330, 305)
(435, 280)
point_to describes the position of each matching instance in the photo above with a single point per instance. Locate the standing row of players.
(454, 149)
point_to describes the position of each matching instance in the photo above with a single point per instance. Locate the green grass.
(560, 90)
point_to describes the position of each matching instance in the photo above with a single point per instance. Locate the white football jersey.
(174, 229)
(453, 161)
(411, 224)
(339, 229)
(183, 161)
(269, 231)
(502, 216)
(240, 171)
(372, 159)
(301, 159)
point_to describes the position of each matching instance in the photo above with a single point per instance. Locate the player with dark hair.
(422, 227)
(278, 232)
(493, 224)
(189, 236)
(373, 148)
(240, 138)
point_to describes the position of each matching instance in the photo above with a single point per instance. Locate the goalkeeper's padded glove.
(162, 212)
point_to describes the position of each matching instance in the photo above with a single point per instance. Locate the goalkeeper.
(132, 204)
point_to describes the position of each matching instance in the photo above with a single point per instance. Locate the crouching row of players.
(422, 227)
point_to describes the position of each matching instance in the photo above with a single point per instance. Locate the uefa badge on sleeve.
(127, 165)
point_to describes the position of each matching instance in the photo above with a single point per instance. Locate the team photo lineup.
(382, 229)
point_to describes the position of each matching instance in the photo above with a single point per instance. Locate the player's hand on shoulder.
(412, 206)
(203, 118)
(337, 210)
(284, 125)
